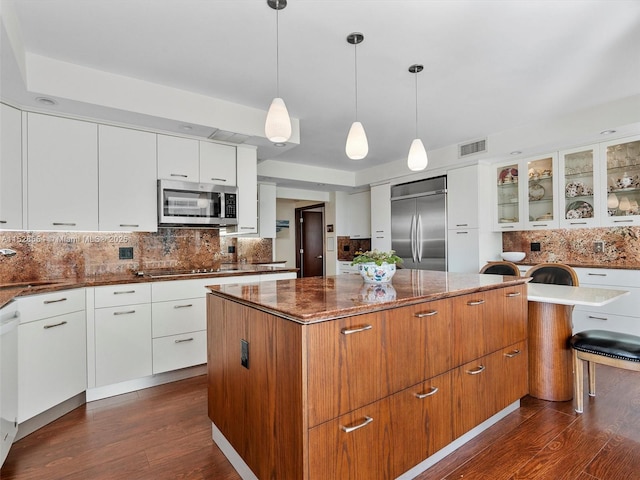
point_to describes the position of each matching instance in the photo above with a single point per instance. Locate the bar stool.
(607, 348)
(501, 268)
(549, 331)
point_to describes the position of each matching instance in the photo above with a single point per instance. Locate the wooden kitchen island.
(331, 378)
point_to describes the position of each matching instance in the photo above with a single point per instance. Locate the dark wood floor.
(164, 433)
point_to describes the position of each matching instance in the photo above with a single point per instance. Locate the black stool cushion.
(610, 344)
(552, 275)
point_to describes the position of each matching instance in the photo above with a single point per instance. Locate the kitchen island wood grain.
(349, 380)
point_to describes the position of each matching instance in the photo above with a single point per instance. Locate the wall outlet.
(598, 247)
(535, 246)
(244, 353)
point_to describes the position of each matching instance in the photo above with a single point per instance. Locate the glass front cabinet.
(508, 197)
(621, 171)
(580, 202)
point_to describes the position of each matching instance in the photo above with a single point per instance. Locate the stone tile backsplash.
(78, 255)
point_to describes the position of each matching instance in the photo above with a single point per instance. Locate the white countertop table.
(566, 295)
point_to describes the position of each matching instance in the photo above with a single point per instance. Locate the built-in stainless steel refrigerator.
(419, 223)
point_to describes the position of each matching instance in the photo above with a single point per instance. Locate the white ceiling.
(489, 65)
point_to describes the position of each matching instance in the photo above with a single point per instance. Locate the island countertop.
(316, 299)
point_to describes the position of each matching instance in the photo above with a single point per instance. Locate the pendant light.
(277, 126)
(417, 159)
(357, 146)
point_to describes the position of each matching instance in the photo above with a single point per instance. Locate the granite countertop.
(315, 299)
(583, 265)
(9, 291)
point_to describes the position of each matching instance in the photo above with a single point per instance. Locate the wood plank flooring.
(164, 433)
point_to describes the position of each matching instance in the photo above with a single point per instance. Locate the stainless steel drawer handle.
(184, 340)
(513, 353)
(476, 371)
(461, 233)
(178, 175)
(3, 221)
(64, 322)
(507, 226)
(430, 313)
(123, 292)
(462, 224)
(475, 302)
(432, 391)
(622, 221)
(597, 274)
(349, 331)
(367, 421)
(577, 223)
(128, 312)
(379, 231)
(598, 318)
(513, 294)
(183, 306)
(539, 225)
(47, 302)
(64, 224)
(219, 179)
(247, 228)
(133, 225)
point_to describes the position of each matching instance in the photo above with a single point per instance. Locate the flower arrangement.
(377, 257)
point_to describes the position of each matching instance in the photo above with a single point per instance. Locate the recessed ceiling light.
(279, 144)
(46, 101)
(186, 127)
(607, 132)
(516, 152)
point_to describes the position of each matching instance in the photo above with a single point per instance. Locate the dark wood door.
(311, 229)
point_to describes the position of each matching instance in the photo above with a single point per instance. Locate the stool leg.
(578, 380)
(592, 379)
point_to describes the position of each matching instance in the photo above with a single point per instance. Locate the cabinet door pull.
(577, 223)
(597, 274)
(349, 331)
(178, 175)
(623, 221)
(476, 371)
(47, 302)
(367, 421)
(63, 224)
(432, 391)
(507, 226)
(461, 233)
(247, 228)
(128, 312)
(598, 318)
(462, 224)
(430, 313)
(513, 294)
(122, 292)
(219, 179)
(379, 231)
(184, 340)
(475, 302)
(187, 305)
(3, 221)
(64, 322)
(513, 353)
(132, 225)
(539, 225)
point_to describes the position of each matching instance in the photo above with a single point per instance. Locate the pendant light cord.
(416, 76)
(277, 50)
(355, 56)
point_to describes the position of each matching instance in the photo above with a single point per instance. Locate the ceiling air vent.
(231, 137)
(478, 146)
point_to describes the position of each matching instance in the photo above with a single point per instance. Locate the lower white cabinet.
(52, 352)
(179, 351)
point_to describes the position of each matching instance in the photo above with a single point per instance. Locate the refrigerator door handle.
(412, 235)
(419, 237)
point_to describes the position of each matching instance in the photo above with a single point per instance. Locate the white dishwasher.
(9, 317)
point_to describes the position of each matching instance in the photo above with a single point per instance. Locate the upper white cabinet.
(360, 215)
(62, 174)
(217, 164)
(10, 168)
(579, 198)
(267, 210)
(247, 160)
(127, 173)
(462, 193)
(621, 181)
(178, 158)
(508, 197)
(381, 217)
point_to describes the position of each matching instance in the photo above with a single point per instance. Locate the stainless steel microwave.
(190, 204)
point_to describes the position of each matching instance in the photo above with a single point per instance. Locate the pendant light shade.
(417, 159)
(357, 146)
(277, 126)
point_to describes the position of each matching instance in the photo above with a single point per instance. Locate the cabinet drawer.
(36, 307)
(129, 294)
(179, 351)
(179, 316)
(608, 276)
(588, 320)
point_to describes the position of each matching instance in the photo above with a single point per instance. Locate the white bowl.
(512, 256)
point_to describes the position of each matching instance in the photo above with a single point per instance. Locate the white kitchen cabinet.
(10, 168)
(62, 174)
(623, 315)
(267, 210)
(359, 205)
(346, 267)
(217, 164)
(178, 158)
(247, 158)
(620, 160)
(122, 333)
(381, 217)
(462, 197)
(52, 362)
(127, 173)
(580, 202)
(8, 377)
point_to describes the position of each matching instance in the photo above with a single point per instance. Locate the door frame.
(299, 246)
